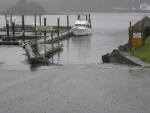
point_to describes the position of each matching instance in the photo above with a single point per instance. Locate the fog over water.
(78, 5)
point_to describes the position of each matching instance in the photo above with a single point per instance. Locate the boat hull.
(81, 32)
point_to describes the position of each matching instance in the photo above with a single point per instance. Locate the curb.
(135, 60)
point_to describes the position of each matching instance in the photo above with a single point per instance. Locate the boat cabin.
(82, 23)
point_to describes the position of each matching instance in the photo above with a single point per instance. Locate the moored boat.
(82, 27)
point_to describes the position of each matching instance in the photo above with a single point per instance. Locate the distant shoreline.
(76, 13)
(133, 11)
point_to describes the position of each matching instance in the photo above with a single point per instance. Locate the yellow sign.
(136, 42)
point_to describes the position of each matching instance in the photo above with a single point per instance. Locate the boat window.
(80, 25)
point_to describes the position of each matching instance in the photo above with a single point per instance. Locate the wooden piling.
(52, 39)
(130, 37)
(13, 31)
(7, 27)
(36, 45)
(58, 29)
(40, 19)
(130, 24)
(23, 29)
(11, 18)
(45, 31)
(35, 23)
(67, 22)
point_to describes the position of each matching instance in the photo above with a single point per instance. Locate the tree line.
(24, 7)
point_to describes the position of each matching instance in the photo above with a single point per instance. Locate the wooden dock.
(56, 38)
(24, 33)
(9, 43)
(51, 51)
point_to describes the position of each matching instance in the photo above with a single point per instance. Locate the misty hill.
(24, 7)
(75, 5)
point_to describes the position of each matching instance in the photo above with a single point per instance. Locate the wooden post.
(52, 45)
(36, 45)
(40, 19)
(7, 27)
(45, 31)
(130, 37)
(23, 29)
(35, 23)
(90, 21)
(58, 29)
(11, 19)
(35, 34)
(67, 22)
(52, 40)
(130, 24)
(13, 30)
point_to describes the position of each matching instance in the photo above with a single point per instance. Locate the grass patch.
(143, 52)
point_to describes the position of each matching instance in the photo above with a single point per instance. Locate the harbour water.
(82, 84)
(109, 31)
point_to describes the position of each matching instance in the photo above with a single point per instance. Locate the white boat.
(82, 27)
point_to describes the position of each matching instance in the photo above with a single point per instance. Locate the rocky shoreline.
(117, 56)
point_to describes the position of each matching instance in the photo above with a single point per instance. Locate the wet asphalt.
(89, 88)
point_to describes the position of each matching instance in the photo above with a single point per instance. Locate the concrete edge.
(135, 60)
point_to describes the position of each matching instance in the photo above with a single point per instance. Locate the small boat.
(82, 27)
